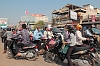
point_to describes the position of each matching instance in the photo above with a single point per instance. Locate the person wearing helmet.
(71, 41)
(79, 37)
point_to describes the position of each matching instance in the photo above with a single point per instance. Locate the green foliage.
(40, 24)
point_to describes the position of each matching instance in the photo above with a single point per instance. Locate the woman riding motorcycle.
(71, 42)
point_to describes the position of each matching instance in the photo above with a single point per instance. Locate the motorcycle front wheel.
(49, 57)
(9, 54)
(31, 55)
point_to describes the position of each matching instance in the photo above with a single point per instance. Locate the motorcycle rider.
(25, 38)
(37, 38)
(79, 37)
(71, 41)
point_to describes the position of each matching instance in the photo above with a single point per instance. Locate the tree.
(40, 24)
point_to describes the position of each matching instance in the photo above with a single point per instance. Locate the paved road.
(12, 62)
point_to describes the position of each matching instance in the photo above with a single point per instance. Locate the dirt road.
(22, 62)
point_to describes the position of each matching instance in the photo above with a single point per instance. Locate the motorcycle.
(94, 44)
(83, 53)
(30, 51)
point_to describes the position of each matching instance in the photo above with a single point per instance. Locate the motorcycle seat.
(26, 45)
(80, 48)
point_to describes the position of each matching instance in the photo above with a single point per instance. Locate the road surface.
(22, 62)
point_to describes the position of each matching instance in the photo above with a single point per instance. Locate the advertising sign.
(3, 21)
(73, 15)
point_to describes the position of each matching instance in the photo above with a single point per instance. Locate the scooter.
(82, 53)
(30, 51)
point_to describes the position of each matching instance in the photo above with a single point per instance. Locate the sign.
(3, 21)
(93, 18)
(73, 15)
(37, 15)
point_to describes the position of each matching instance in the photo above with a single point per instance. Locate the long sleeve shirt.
(37, 35)
(9, 34)
(66, 36)
(25, 36)
(79, 37)
(48, 34)
(72, 39)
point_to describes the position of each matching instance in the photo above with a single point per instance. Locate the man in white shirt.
(79, 37)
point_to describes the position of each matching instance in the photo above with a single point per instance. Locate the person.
(4, 36)
(48, 33)
(71, 42)
(37, 38)
(2, 33)
(8, 40)
(79, 37)
(31, 34)
(25, 38)
(66, 33)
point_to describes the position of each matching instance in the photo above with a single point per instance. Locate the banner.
(73, 15)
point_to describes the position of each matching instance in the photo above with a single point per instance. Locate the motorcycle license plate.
(36, 49)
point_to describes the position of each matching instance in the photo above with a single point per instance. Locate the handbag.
(64, 49)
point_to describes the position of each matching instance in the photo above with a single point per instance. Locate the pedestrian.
(8, 40)
(2, 33)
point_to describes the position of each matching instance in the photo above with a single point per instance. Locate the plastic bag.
(52, 42)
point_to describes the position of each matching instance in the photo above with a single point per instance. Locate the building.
(67, 14)
(34, 18)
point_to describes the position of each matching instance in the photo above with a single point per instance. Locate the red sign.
(37, 15)
(93, 18)
(26, 12)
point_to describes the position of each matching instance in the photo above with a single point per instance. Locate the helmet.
(69, 27)
(78, 27)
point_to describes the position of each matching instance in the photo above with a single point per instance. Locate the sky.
(14, 9)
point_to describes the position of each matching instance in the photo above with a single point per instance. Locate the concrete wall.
(89, 12)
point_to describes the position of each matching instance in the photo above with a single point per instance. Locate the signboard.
(3, 21)
(73, 15)
(93, 18)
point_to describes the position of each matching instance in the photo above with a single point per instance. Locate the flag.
(26, 12)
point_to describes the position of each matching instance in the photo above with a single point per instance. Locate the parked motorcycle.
(83, 53)
(30, 51)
